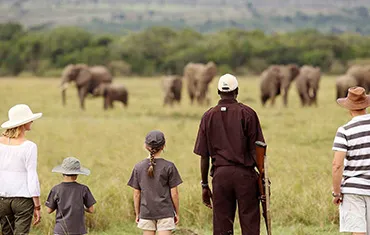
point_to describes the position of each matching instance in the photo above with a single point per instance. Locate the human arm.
(253, 130)
(33, 182)
(137, 195)
(206, 191)
(36, 210)
(134, 183)
(337, 173)
(201, 149)
(176, 203)
(88, 200)
(32, 177)
(340, 147)
(90, 209)
(49, 210)
(51, 202)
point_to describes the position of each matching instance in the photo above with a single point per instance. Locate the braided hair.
(152, 151)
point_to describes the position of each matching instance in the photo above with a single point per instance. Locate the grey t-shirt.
(69, 199)
(155, 197)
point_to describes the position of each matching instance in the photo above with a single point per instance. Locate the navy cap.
(155, 139)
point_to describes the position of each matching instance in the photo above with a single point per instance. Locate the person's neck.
(69, 179)
(355, 113)
(157, 155)
(21, 135)
(228, 97)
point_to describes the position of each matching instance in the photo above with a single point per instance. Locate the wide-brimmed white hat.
(227, 83)
(71, 166)
(18, 115)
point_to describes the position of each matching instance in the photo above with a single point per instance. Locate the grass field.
(110, 143)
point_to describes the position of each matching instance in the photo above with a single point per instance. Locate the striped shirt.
(354, 139)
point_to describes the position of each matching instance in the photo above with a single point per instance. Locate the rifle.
(263, 183)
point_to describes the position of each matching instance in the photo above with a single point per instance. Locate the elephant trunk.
(64, 87)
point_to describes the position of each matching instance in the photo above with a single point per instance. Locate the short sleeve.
(340, 141)
(201, 146)
(254, 131)
(88, 198)
(52, 200)
(134, 181)
(174, 178)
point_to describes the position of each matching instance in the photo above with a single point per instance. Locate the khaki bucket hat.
(355, 100)
(71, 166)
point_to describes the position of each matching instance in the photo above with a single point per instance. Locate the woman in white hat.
(19, 183)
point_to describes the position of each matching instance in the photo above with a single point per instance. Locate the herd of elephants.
(275, 80)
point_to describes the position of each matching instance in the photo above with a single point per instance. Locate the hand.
(207, 197)
(337, 200)
(137, 219)
(177, 219)
(37, 215)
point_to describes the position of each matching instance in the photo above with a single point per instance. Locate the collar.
(227, 101)
(360, 117)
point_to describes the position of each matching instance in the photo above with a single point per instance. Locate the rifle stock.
(263, 183)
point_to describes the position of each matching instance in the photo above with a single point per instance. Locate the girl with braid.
(155, 181)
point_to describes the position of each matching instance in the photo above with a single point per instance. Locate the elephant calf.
(112, 92)
(172, 86)
(307, 84)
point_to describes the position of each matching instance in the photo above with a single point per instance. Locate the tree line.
(162, 50)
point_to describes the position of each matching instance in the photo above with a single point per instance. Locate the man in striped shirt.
(351, 165)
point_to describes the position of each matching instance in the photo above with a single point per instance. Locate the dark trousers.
(15, 215)
(235, 185)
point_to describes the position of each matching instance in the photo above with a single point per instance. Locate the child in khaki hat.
(155, 182)
(70, 199)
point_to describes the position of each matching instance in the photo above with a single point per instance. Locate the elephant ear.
(84, 77)
(210, 71)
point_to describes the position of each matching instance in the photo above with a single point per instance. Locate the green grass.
(110, 143)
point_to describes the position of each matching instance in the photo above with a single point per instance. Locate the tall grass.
(110, 143)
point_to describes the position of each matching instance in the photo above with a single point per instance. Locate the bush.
(119, 68)
(224, 68)
(337, 67)
(257, 65)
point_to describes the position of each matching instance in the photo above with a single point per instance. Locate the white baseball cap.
(227, 83)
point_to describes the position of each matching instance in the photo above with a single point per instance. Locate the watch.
(204, 185)
(336, 195)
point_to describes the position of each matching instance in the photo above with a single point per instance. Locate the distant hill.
(122, 16)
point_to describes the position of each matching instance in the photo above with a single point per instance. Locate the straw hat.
(71, 166)
(355, 100)
(18, 115)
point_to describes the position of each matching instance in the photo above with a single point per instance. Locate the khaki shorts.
(165, 224)
(353, 211)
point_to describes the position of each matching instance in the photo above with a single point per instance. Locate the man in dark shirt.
(227, 134)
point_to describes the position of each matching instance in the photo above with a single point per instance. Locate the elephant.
(342, 83)
(276, 79)
(362, 75)
(270, 84)
(112, 92)
(307, 83)
(86, 79)
(198, 77)
(172, 86)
